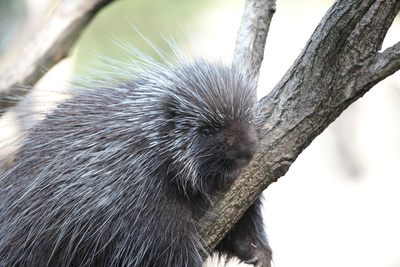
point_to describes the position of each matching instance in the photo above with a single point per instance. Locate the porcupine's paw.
(260, 259)
(256, 255)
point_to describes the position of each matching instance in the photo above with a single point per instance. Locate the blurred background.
(339, 203)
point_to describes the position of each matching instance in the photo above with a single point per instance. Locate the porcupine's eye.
(207, 132)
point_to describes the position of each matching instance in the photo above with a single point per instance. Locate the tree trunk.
(338, 65)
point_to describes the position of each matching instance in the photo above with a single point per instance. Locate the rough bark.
(51, 44)
(253, 31)
(338, 65)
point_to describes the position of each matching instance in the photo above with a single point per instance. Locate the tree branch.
(323, 81)
(384, 64)
(253, 31)
(51, 44)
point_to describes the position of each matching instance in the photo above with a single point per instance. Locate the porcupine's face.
(213, 117)
(225, 150)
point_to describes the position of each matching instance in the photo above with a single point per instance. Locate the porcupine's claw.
(252, 261)
(260, 260)
(247, 239)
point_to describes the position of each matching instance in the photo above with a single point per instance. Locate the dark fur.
(120, 174)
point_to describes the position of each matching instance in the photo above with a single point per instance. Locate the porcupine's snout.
(242, 147)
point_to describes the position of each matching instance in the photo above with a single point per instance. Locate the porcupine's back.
(108, 162)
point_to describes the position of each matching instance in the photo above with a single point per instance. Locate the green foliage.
(152, 18)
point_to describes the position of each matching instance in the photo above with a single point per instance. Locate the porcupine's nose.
(244, 148)
(244, 159)
(245, 154)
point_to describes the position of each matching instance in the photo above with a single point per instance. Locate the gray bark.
(338, 65)
(51, 44)
(253, 31)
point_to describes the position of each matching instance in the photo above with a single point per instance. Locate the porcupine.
(120, 173)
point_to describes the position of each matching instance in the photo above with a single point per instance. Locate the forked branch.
(338, 65)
